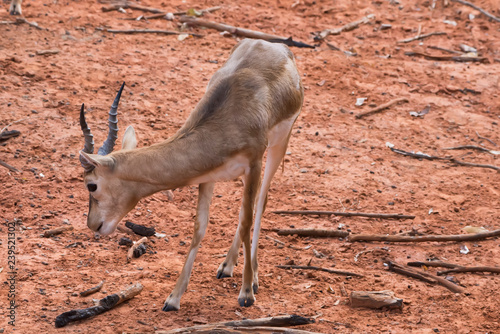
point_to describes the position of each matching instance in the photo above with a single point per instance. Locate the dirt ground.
(335, 162)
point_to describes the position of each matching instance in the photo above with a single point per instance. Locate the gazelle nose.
(99, 227)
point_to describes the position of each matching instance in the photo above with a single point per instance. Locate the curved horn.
(89, 140)
(108, 145)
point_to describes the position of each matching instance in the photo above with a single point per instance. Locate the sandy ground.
(334, 162)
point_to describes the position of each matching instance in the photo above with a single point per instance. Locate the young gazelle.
(250, 105)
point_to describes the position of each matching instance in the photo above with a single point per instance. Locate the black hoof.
(15, 13)
(255, 288)
(245, 302)
(221, 274)
(167, 308)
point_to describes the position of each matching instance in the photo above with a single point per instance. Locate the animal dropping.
(250, 106)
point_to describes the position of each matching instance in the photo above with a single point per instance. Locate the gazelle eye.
(92, 187)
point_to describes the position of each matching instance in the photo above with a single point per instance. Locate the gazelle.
(15, 7)
(250, 105)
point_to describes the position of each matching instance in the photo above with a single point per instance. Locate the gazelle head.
(109, 197)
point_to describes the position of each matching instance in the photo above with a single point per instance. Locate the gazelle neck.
(170, 164)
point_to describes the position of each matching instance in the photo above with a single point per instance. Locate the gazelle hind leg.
(252, 182)
(202, 216)
(227, 266)
(275, 156)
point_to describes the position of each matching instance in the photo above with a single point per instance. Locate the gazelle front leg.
(205, 193)
(252, 183)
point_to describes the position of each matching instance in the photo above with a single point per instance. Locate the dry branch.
(375, 299)
(9, 167)
(247, 325)
(125, 230)
(424, 276)
(127, 4)
(275, 240)
(221, 329)
(132, 252)
(92, 290)
(448, 58)
(57, 231)
(191, 21)
(432, 264)
(105, 304)
(150, 31)
(472, 147)
(478, 8)
(348, 27)
(47, 52)
(346, 214)
(382, 107)
(487, 139)
(21, 20)
(312, 232)
(445, 50)
(161, 15)
(425, 238)
(485, 269)
(6, 135)
(408, 40)
(331, 271)
(430, 157)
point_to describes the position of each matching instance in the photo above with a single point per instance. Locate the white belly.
(230, 170)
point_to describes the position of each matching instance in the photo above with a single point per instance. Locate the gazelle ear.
(91, 161)
(129, 141)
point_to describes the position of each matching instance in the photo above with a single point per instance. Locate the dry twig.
(348, 27)
(275, 240)
(487, 139)
(491, 16)
(92, 290)
(445, 50)
(313, 232)
(345, 214)
(382, 107)
(424, 238)
(9, 167)
(258, 325)
(472, 147)
(424, 276)
(432, 264)
(408, 40)
(127, 4)
(150, 31)
(485, 269)
(448, 58)
(105, 304)
(134, 247)
(56, 231)
(162, 15)
(21, 20)
(47, 52)
(430, 157)
(191, 21)
(375, 299)
(331, 271)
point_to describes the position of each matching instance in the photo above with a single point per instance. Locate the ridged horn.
(89, 140)
(108, 145)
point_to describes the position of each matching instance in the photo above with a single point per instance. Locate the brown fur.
(258, 88)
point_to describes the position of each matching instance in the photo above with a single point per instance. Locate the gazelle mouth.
(99, 228)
